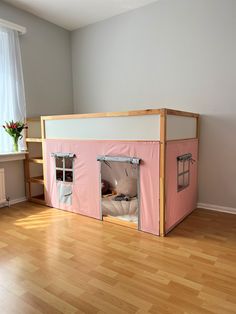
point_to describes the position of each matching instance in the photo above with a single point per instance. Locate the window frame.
(13, 103)
(185, 159)
(63, 168)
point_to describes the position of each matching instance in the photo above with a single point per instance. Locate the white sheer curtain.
(12, 95)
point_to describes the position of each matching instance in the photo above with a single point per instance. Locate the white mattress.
(130, 218)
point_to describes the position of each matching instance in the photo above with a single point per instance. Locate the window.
(12, 94)
(64, 176)
(183, 171)
(64, 166)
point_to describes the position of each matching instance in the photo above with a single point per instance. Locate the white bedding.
(119, 208)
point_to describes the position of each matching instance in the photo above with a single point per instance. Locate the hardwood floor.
(57, 262)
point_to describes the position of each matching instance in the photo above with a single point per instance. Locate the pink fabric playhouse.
(135, 168)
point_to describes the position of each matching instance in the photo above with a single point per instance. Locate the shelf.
(38, 179)
(38, 199)
(36, 160)
(33, 140)
(33, 177)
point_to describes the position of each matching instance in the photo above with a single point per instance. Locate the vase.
(15, 144)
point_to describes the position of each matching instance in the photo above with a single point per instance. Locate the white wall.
(174, 53)
(46, 58)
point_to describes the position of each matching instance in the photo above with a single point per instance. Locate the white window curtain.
(12, 95)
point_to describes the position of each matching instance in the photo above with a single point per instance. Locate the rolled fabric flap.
(64, 193)
(63, 155)
(131, 160)
(185, 157)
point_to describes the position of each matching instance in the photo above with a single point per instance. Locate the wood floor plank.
(53, 262)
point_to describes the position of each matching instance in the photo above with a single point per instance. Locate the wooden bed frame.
(163, 139)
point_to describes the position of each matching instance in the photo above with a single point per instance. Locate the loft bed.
(165, 142)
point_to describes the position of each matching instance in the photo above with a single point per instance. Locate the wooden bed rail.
(121, 114)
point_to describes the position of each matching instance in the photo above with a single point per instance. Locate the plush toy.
(105, 187)
(127, 186)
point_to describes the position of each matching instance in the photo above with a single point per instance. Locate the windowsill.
(12, 156)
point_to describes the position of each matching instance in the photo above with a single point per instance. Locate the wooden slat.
(104, 114)
(33, 140)
(42, 128)
(43, 153)
(121, 114)
(181, 140)
(198, 128)
(36, 160)
(38, 179)
(182, 113)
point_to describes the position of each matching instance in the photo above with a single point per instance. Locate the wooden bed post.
(162, 170)
(198, 127)
(43, 148)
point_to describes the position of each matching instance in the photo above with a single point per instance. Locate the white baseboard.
(18, 200)
(217, 208)
(15, 201)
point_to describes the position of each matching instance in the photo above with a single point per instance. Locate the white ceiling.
(72, 14)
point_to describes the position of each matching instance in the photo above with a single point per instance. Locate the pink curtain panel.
(85, 189)
(180, 204)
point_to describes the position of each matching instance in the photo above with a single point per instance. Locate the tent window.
(183, 171)
(59, 175)
(64, 167)
(59, 162)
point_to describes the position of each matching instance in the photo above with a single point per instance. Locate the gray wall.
(177, 54)
(46, 58)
